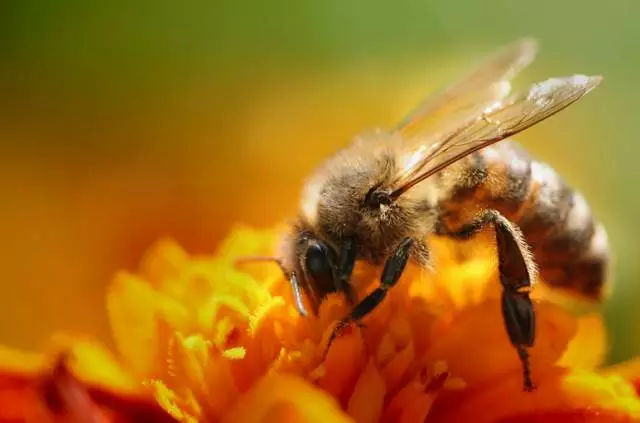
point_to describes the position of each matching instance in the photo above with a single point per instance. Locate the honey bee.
(440, 172)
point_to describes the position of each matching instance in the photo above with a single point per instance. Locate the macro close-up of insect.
(439, 173)
(312, 212)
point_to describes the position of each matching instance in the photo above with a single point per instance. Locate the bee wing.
(496, 122)
(486, 84)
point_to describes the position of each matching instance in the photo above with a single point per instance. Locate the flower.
(200, 338)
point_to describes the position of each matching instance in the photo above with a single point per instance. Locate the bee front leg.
(346, 261)
(393, 268)
(516, 272)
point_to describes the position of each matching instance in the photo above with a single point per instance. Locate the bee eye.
(318, 265)
(317, 262)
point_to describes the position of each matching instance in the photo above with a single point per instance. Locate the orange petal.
(220, 381)
(476, 347)
(418, 409)
(20, 362)
(405, 396)
(411, 404)
(286, 398)
(343, 363)
(569, 416)
(560, 389)
(396, 369)
(283, 412)
(588, 347)
(365, 404)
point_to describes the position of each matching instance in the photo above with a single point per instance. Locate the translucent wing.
(486, 84)
(496, 122)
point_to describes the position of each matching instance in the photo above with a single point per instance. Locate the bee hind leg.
(516, 273)
(393, 268)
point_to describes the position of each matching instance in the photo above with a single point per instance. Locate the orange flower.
(209, 341)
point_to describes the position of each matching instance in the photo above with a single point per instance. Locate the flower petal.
(286, 398)
(569, 416)
(629, 370)
(411, 404)
(93, 364)
(476, 347)
(560, 390)
(135, 309)
(588, 347)
(343, 363)
(365, 404)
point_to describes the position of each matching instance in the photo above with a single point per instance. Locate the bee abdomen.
(568, 245)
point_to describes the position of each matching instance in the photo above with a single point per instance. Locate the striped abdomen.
(568, 245)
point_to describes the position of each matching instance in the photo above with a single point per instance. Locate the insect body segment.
(569, 246)
(444, 170)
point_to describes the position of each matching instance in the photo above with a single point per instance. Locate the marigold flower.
(200, 339)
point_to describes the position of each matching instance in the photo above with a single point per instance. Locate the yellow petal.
(163, 262)
(16, 361)
(134, 309)
(91, 363)
(288, 397)
(189, 359)
(630, 370)
(588, 347)
(168, 400)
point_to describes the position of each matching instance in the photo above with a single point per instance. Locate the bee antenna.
(397, 193)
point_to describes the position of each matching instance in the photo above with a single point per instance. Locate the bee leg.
(393, 268)
(515, 276)
(516, 270)
(346, 261)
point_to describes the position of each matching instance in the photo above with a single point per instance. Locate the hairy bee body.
(569, 246)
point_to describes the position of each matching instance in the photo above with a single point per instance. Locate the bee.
(448, 169)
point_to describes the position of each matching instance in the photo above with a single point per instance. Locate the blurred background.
(122, 122)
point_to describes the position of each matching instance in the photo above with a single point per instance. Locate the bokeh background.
(121, 122)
